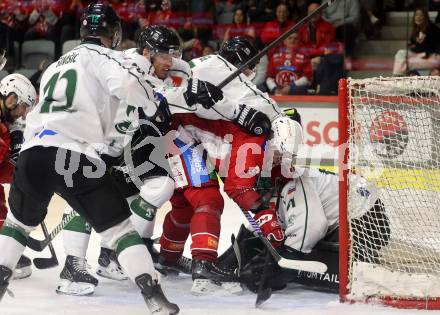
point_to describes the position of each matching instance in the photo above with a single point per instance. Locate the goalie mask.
(100, 20)
(159, 40)
(238, 50)
(18, 96)
(286, 139)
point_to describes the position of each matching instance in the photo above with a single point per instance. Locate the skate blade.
(22, 273)
(204, 286)
(75, 288)
(117, 275)
(232, 287)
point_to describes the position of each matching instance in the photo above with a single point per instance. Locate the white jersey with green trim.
(80, 95)
(241, 90)
(309, 205)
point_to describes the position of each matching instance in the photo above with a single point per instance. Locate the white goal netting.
(394, 142)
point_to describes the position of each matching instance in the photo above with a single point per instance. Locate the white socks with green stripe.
(132, 253)
(13, 239)
(76, 235)
(144, 216)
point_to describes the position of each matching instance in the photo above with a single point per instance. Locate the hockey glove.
(268, 222)
(254, 121)
(202, 92)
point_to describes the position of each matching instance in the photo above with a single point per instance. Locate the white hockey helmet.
(21, 86)
(287, 136)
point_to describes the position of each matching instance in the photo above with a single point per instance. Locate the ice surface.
(36, 295)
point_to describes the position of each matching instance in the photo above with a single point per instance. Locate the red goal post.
(389, 133)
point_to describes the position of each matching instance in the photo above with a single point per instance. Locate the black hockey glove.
(15, 145)
(254, 121)
(202, 92)
(158, 124)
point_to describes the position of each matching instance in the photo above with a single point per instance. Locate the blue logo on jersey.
(194, 163)
(45, 132)
(363, 192)
(159, 97)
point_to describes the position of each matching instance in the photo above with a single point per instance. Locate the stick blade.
(304, 265)
(34, 244)
(263, 296)
(45, 263)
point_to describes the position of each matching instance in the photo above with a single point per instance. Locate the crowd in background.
(308, 62)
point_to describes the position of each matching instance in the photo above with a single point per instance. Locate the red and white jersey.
(288, 65)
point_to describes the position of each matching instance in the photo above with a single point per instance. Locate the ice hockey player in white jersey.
(308, 209)
(157, 57)
(66, 136)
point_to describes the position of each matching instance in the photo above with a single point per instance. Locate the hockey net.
(389, 130)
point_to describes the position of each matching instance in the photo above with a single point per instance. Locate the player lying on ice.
(17, 97)
(307, 204)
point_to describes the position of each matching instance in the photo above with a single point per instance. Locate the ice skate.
(5, 275)
(23, 268)
(153, 295)
(109, 266)
(75, 278)
(208, 277)
(182, 265)
(153, 251)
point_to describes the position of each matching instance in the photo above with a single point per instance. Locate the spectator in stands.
(44, 22)
(344, 15)
(290, 70)
(239, 27)
(371, 17)
(273, 29)
(424, 47)
(318, 37)
(225, 10)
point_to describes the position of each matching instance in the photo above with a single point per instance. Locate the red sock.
(176, 227)
(205, 223)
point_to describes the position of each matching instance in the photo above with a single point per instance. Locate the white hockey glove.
(287, 136)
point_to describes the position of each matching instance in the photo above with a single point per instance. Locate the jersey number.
(71, 78)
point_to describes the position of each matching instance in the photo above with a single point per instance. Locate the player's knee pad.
(112, 236)
(157, 190)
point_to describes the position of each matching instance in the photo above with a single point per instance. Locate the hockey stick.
(45, 263)
(38, 246)
(305, 265)
(275, 43)
(263, 293)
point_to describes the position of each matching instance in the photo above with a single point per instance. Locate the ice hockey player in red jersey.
(289, 70)
(17, 96)
(236, 150)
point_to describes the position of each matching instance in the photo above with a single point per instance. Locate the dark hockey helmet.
(98, 20)
(238, 50)
(292, 113)
(159, 39)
